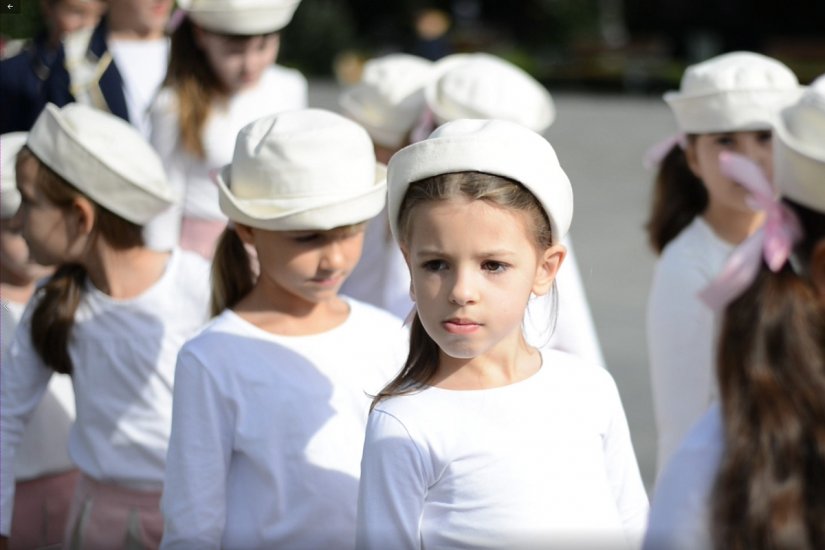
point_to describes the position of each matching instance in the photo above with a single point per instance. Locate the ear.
(692, 160)
(406, 253)
(548, 265)
(82, 217)
(246, 233)
(817, 268)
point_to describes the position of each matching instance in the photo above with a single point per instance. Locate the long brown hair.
(232, 274)
(678, 197)
(195, 83)
(422, 360)
(770, 489)
(59, 297)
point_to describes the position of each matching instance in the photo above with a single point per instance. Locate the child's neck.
(291, 316)
(18, 294)
(499, 367)
(732, 226)
(125, 274)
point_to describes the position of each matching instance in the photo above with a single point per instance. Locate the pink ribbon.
(175, 20)
(425, 125)
(657, 152)
(773, 242)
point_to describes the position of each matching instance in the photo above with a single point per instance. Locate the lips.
(458, 325)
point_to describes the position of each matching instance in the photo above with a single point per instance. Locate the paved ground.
(600, 140)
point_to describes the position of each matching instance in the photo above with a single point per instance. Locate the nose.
(464, 290)
(332, 256)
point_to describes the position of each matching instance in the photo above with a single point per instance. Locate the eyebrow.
(486, 254)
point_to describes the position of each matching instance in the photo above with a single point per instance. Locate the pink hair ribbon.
(657, 152)
(774, 241)
(175, 20)
(425, 125)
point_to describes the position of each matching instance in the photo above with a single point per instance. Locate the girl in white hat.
(698, 215)
(221, 77)
(387, 102)
(483, 440)
(751, 473)
(481, 85)
(44, 474)
(271, 399)
(113, 316)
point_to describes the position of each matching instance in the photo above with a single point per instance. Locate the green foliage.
(25, 24)
(318, 31)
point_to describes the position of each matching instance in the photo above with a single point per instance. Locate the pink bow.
(175, 20)
(774, 241)
(425, 125)
(657, 152)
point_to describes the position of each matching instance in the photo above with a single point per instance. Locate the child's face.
(238, 62)
(703, 159)
(145, 16)
(473, 267)
(43, 225)
(17, 266)
(67, 16)
(305, 266)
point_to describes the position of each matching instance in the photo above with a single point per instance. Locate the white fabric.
(309, 169)
(681, 333)
(544, 462)
(268, 430)
(124, 354)
(241, 17)
(86, 146)
(679, 512)
(10, 145)
(498, 147)
(735, 91)
(43, 447)
(142, 66)
(799, 150)
(279, 89)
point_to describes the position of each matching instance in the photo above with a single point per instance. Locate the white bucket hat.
(309, 169)
(103, 157)
(496, 147)
(241, 17)
(481, 85)
(733, 92)
(389, 99)
(799, 151)
(10, 145)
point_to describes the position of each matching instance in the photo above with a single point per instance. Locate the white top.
(543, 462)
(268, 430)
(142, 66)
(680, 513)
(43, 447)
(681, 332)
(123, 353)
(279, 89)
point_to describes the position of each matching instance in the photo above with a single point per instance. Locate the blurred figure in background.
(388, 102)
(222, 76)
(22, 76)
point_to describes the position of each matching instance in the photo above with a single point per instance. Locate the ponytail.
(232, 275)
(678, 197)
(53, 317)
(419, 368)
(770, 489)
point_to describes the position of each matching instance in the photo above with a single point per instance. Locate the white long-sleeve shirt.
(680, 508)
(681, 333)
(123, 352)
(280, 89)
(544, 462)
(43, 447)
(267, 432)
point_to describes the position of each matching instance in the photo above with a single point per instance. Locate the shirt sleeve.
(392, 488)
(24, 379)
(623, 469)
(679, 514)
(197, 462)
(680, 336)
